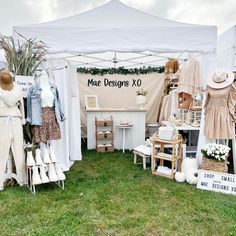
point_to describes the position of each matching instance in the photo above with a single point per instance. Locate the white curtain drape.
(207, 65)
(74, 110)
(68, 148)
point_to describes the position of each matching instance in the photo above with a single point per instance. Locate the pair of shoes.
(55, 173)
(48, 159)
(30, 161)
(1, 188)
(39, 178)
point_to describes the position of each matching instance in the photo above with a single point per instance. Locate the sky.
(221, 13)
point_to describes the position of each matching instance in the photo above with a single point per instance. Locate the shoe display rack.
(104, 135)
(43, 169)
(161, 156)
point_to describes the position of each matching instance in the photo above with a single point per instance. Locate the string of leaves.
(23, 56)
(121, 70)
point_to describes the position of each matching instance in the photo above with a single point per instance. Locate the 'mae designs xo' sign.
(216, 181)
(114, 83)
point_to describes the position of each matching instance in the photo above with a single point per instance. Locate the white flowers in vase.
(141, 98)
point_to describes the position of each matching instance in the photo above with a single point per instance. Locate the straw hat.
(6, 79)
(220, 79)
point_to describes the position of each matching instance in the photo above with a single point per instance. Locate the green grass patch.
(106, 194)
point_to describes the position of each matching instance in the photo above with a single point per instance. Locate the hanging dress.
(219, 113)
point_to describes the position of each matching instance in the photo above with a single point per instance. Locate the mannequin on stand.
(11, 120)
(44, 113)
(219, 107)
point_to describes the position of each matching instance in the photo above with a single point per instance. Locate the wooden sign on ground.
(216, 181)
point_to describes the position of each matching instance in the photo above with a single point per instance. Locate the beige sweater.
(189, 79)
(11, 103)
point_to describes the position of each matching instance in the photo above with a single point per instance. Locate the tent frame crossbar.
(97, 61)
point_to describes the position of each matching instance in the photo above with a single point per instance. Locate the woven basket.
(209, 164)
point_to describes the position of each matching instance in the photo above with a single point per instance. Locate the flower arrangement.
(23, 57)
(141, 92)
(215, 151)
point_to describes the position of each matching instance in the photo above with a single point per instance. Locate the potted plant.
(215, 157)
(141, 98)
(23, 57)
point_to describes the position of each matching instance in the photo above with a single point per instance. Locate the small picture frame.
(91, 102)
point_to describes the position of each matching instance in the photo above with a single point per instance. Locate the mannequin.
(45, 113)
(219, 106)
(11, 119)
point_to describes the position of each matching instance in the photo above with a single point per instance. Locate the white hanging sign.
(216, 181)
(25, 82)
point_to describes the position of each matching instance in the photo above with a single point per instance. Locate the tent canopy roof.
(113, 14)
(117, 27)
(227, 39)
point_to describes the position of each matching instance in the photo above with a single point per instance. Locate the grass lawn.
(106, 194)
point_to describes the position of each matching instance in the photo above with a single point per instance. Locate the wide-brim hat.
(220, 79)
(6, 79)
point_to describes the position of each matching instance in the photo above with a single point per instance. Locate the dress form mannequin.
(45, 113)
(11, 119)
(47, 99)
(219, 107)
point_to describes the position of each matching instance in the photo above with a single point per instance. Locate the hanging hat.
(6, 79)
(220, 79)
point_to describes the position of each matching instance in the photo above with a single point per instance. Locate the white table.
(135, 116)
(123, 135)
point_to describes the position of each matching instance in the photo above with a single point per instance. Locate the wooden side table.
(176, 145)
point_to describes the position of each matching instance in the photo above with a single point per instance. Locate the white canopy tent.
(117, 27)
(110, 35)
(226, 50)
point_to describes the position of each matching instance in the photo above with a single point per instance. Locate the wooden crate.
(104, 123)
(104, 135)
(105, 148)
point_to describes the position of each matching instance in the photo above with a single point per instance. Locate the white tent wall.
(208, 65)
(74, 117)
(226, 50)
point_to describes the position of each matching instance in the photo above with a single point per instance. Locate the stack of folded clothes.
(164, 170)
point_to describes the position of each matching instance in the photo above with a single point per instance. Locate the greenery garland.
(121, 70)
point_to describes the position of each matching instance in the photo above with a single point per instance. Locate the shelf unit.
(176, 146)
(104, 135)
(29, 179)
